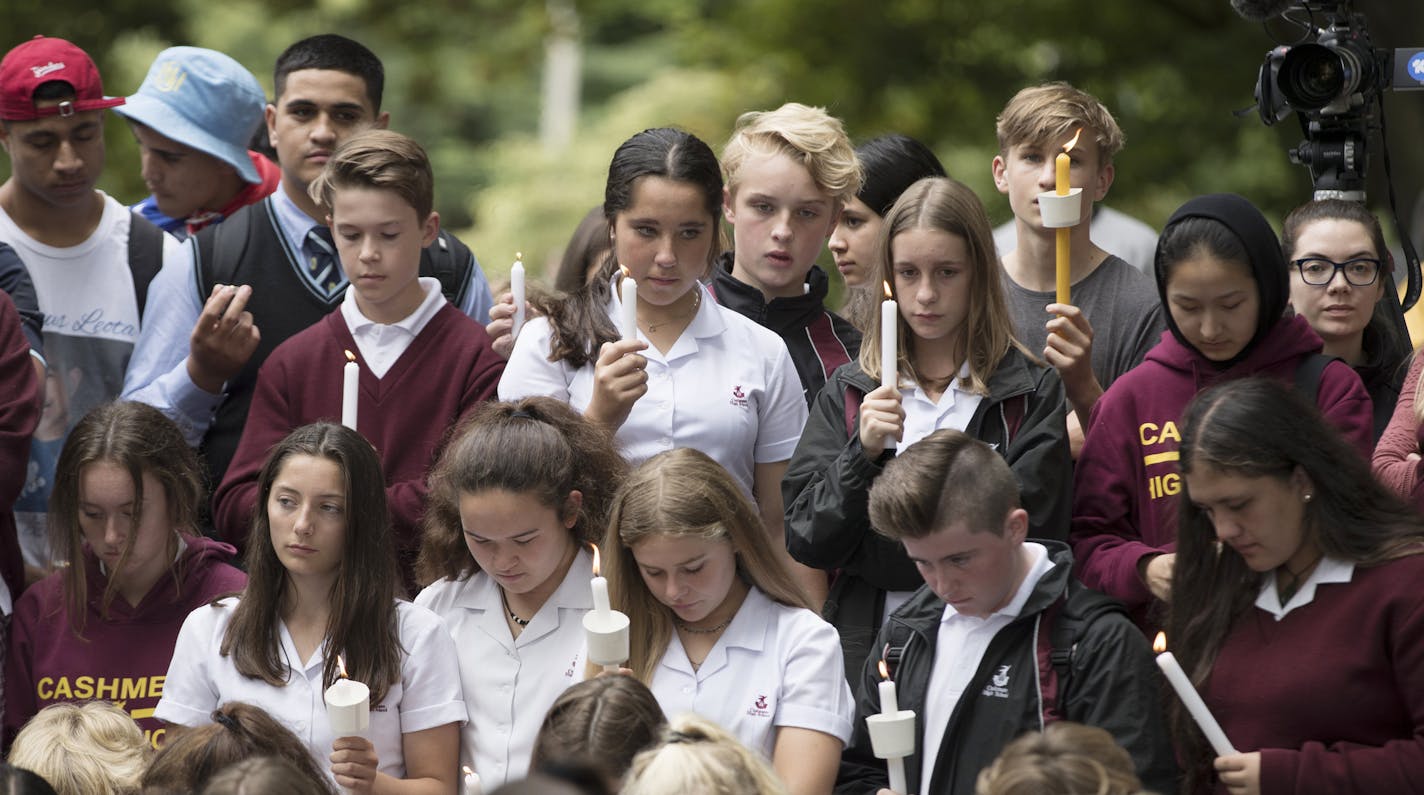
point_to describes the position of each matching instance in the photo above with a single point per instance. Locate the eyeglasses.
(1319, 271)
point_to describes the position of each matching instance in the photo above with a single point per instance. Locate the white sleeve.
(529, 371)
(158, 370)
(189, 692)
(782, 415)
(430, 672)
(814, 693)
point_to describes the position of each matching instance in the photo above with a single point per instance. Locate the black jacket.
(827, 488)
(1112, 684)
(819, 340)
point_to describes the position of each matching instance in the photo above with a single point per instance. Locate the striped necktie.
(322, 266)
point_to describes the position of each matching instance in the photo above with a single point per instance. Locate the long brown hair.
(947, 205)
(139, 439)
(683, 492)
(362, 628)
(602, 722)
(1259, 427)
(536, 446)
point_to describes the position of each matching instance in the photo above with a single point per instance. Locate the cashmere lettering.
(1153, 438)
(117, 689)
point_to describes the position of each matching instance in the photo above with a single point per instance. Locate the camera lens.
(1311, 76)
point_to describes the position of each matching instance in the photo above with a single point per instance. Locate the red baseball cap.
(42, 60)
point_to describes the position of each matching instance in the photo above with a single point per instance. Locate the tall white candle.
(350, 390)
(629, 297)
(889, 699)
(348, 705)
(892, 732)
(889, 347)
(605, 629)
(1191, 699)
(471, 785)
(516, 287)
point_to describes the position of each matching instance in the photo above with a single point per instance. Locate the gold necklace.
(652, 328)
(712, 630)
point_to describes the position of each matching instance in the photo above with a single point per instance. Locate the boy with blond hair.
(1114, 316)
(423, 364)
(788, 172)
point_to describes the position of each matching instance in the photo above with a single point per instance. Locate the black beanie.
(1264, 257)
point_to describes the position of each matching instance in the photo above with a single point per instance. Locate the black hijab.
(1263, 255)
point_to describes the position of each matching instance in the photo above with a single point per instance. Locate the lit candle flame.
(518, 257)
(888, 294)
(884, 670)
(341, 664)
(623, 269)
(1068, 147)
(350, 357)
(595, 557)
(1160, 644)
(467, 770)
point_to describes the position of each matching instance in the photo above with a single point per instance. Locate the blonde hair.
(379, 160)
(93, 748)
(683, 493)
(947, 205)
(697, 756)
(1065, 759)
(1050, 111)
(810, 136)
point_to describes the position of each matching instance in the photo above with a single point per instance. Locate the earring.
(1308, 497)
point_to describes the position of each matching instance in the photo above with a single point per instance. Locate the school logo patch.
(41, 71)
(170, 77)
(739, 398)
(758, 708)
(998, 686)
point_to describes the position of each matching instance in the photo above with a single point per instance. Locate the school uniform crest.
(758, 708)
(739, 398)
(998, 686)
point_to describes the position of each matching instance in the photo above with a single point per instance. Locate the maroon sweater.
(123, 658)
(19, 414)
(1126, 483)
(448, 369)
(1333, 693)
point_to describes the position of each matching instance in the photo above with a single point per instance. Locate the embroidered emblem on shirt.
(758, 709)
(739, 398)
(999, 686)
(41, 71)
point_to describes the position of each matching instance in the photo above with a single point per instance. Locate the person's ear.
(430, 229)
(998, 168)
(1103, 182)
(383, 120)
(1016, 526)
(270, 114)
(572, 505)
(1302, 484)
(728, 206)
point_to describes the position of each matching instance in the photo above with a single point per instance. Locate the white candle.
(605, 629)
(892, 732)
(889, 343)
(889, 701)
(348, 705)
(1191, 699)
(350, 390)
(630, 305)
(516, 286)
(472, 782)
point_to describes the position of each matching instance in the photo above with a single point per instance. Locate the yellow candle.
(1063, 262)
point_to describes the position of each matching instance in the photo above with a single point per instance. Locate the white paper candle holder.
(1061, 211)
(892, 735)
(607, 637)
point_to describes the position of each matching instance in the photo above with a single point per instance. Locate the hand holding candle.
(1191, 699)
(889, 347)
(605, 629)
(348, 705)
(350, 390)
(892, 732)
(516, 288)
(629, 298)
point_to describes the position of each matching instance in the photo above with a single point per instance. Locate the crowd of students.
(999, 519)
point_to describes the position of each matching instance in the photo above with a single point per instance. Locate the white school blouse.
(427, 695)
(510, 682)
(773, 666)
(727, 387)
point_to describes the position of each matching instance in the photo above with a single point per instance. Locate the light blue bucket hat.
(203, 99)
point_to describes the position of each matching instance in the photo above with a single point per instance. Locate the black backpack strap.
(451, 262)
(145, 256)
(219, 249)
(1065, 628)
(1308, 374)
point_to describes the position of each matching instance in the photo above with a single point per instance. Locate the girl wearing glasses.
(1339, 270)
(1223, 283)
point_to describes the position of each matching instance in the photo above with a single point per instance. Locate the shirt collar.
(413, 323)
(1329, 570)
(294, 221)
(946, 400)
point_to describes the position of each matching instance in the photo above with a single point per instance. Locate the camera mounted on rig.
(1333, 78)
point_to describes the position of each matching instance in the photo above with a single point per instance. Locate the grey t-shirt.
(1120, 303)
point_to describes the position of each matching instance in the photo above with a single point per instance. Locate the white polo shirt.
(381, 344)
(510, 683)
(773, 666)
(727, 387)
(428, 694)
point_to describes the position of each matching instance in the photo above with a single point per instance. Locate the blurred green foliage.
(463, 77)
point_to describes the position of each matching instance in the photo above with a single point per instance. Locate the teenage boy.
(423, 364)
(89, 258)
(193, 117)
(789, 171)
(1000, 639)
(242, 287)
(1115, 316)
